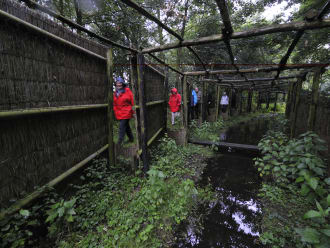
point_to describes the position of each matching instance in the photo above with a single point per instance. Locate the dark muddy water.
(232, 220)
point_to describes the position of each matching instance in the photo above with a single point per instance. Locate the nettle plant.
(298, 162)
(294, 161)
(60, 215)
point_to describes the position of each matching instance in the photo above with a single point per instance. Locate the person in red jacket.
(174, 103)
(122, 106)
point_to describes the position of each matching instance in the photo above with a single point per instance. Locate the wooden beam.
(38, 111)
(251, 148)
(285, 58)
(225, 16)
(255, 70)
(314, 100)
(163, 63)
(324, 10)
(51, 36)
(197, 56)
(293, 26)
(72, 24)
(151, 17)
(232, 81)
(151, 140)
(161, 24)
(143, 113)
(110, 67)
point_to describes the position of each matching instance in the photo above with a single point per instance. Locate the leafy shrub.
(298, 162)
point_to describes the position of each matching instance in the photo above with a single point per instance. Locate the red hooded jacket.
(175, 100)
(122, 105)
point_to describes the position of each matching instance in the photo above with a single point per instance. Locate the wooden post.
(165, 97)
(230, 101)
(182, 110)
(217, 103)
(204, 102)
(259, 101)
(296, 107)
(185, 107)
(289, 101)
(314, 99)
(110, 66)
(268, 99)
(143, 112)
(249, 102)
(135, 89)
(275, 104)
(240, 102)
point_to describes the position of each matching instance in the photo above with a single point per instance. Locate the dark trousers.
(198, 109)
(192, 111)
(124, 128)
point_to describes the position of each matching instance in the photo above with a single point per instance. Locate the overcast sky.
(271, 12)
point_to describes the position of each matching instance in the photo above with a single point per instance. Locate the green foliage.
(118, 210)
(207, 130)
(20, 229)
(60, 215)
(296, 160)
(296, 166)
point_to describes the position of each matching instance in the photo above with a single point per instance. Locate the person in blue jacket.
(193, 103)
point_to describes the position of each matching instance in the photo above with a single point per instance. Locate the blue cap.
(120, 79)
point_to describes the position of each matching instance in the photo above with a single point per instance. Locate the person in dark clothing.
(122, 106)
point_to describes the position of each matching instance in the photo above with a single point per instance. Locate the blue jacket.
(193, 101)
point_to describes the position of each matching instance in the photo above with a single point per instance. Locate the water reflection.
(231, 221)
(246, 133)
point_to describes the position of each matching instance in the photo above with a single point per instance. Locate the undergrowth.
(295, 192)
(115, 209)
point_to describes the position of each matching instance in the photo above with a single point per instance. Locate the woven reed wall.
(322, 123)
(155, 91)
(36, 71)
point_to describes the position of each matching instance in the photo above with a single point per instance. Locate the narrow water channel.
(232, 220)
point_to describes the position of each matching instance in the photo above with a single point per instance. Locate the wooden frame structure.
(227, 34)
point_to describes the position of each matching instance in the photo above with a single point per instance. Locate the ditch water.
(232, 220)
